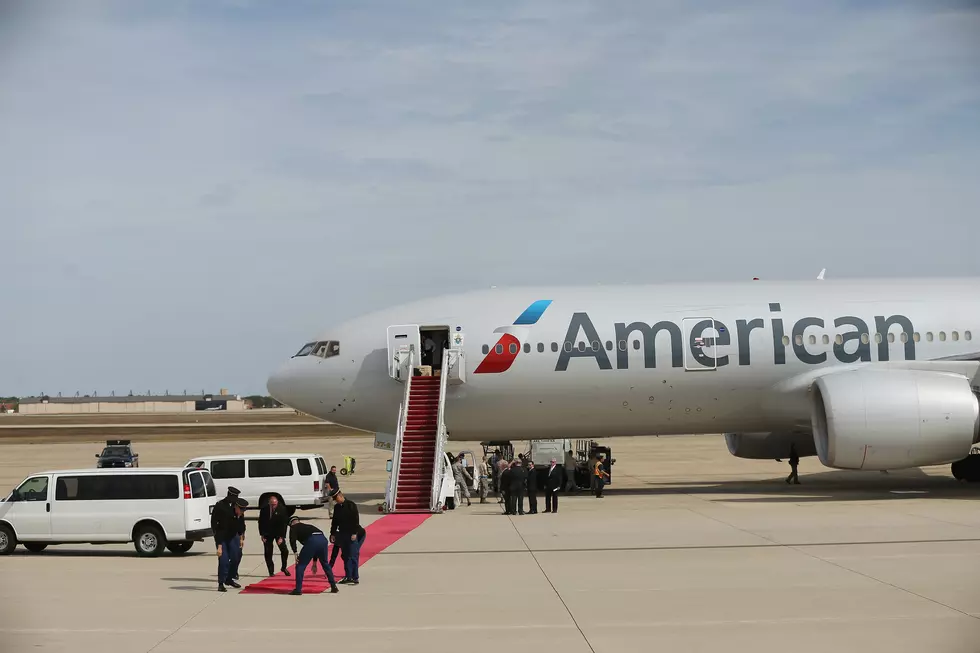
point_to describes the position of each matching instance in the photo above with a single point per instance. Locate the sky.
(189, 191)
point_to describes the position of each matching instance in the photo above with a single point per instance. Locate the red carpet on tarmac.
(380, 535)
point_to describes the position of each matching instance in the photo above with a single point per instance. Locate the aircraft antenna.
(820, 276)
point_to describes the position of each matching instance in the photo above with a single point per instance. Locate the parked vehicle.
(153, 508)
(297, 479)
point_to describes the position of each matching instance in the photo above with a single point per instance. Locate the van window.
(197, 487)
(228, 469)
(321, 467)
(34, 489)
(208, 483)
(267, 467)
(117, 487)
(304, 467)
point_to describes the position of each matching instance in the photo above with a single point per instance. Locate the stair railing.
(437, 467)
(396, 456)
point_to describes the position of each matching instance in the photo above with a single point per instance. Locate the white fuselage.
(626, 361)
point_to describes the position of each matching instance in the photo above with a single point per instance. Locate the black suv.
(118, 453)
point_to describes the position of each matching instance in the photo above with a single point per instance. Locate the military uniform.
(225, 525)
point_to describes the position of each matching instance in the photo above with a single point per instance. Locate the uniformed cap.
(334, 492)
(233, 491)
(242, 503)
(293, 520)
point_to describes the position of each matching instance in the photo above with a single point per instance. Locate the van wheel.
(35, 547)
(8, 541)
(149, 541)
(179, 547)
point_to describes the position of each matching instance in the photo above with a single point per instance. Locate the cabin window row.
(595, 345)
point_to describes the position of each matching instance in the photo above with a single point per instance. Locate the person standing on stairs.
(463, 478)
(346, 530)
(272, 530)
(314, 548)
(532, 488)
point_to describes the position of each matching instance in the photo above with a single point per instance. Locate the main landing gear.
(968, 469)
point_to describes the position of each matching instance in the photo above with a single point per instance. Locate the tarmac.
(691, 550)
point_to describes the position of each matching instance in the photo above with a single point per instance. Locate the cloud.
(262, 170)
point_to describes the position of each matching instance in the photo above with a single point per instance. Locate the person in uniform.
(531, 485)
(552, 485)
(224, 524)
(462, 477)
(272, 529)
(600, 475)
(314, 548)
(240, 506)
(570, 465)
(484, 476)
(794, 462)
(346, 529)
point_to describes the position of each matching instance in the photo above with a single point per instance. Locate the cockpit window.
(305, 351)
(327, 348)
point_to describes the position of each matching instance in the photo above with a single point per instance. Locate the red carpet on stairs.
(380, 535)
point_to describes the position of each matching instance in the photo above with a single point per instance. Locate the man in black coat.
(224, 524)
(504, 482)
(273, 520)
(532, 488)
(552, 484)
(518, 485)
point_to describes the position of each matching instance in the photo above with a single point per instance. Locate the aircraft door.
(700, 348)
(400, 339)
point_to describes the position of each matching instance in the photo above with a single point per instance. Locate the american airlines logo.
(851, 344)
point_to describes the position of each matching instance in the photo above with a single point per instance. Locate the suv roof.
(116, 470)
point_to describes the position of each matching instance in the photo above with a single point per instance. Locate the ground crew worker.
(552, 484)
(532, 488)
(591, 469)
(794, 462)
(224, 524)
(518, 485)
(272, 530)
(600, 475)
(463, 478)
(346, 529)
(570, 485)
(484, 480)
(332, 484)
(314, 548)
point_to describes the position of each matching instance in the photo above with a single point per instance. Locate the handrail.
(396, 461)
(440, 438)
(395, 454)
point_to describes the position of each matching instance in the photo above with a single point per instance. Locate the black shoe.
(546, 511)
(286, 572)
(233, 584)
(333, 589)
(343, 580)
(235, 577)
(271, 573)
(221, 588)
(346, 581)
(296, 593)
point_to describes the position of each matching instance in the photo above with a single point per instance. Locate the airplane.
(865, 374)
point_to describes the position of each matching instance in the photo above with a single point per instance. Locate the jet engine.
(769, 446)
(875, 419)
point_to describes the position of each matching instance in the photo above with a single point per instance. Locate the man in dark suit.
(273, 521)
(518, 485)
(505, 489)
(552, 484)
(532, 488)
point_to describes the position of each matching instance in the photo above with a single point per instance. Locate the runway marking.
(381, 534)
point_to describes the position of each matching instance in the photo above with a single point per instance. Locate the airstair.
(420, 477)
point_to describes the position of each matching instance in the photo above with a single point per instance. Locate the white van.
(153, 508)
(297, 479)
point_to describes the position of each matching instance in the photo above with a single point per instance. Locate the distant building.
(131, 404)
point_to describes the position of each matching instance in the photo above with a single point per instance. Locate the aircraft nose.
(279, 384)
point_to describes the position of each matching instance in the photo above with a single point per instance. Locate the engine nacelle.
(769, 446)
(876, 419)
